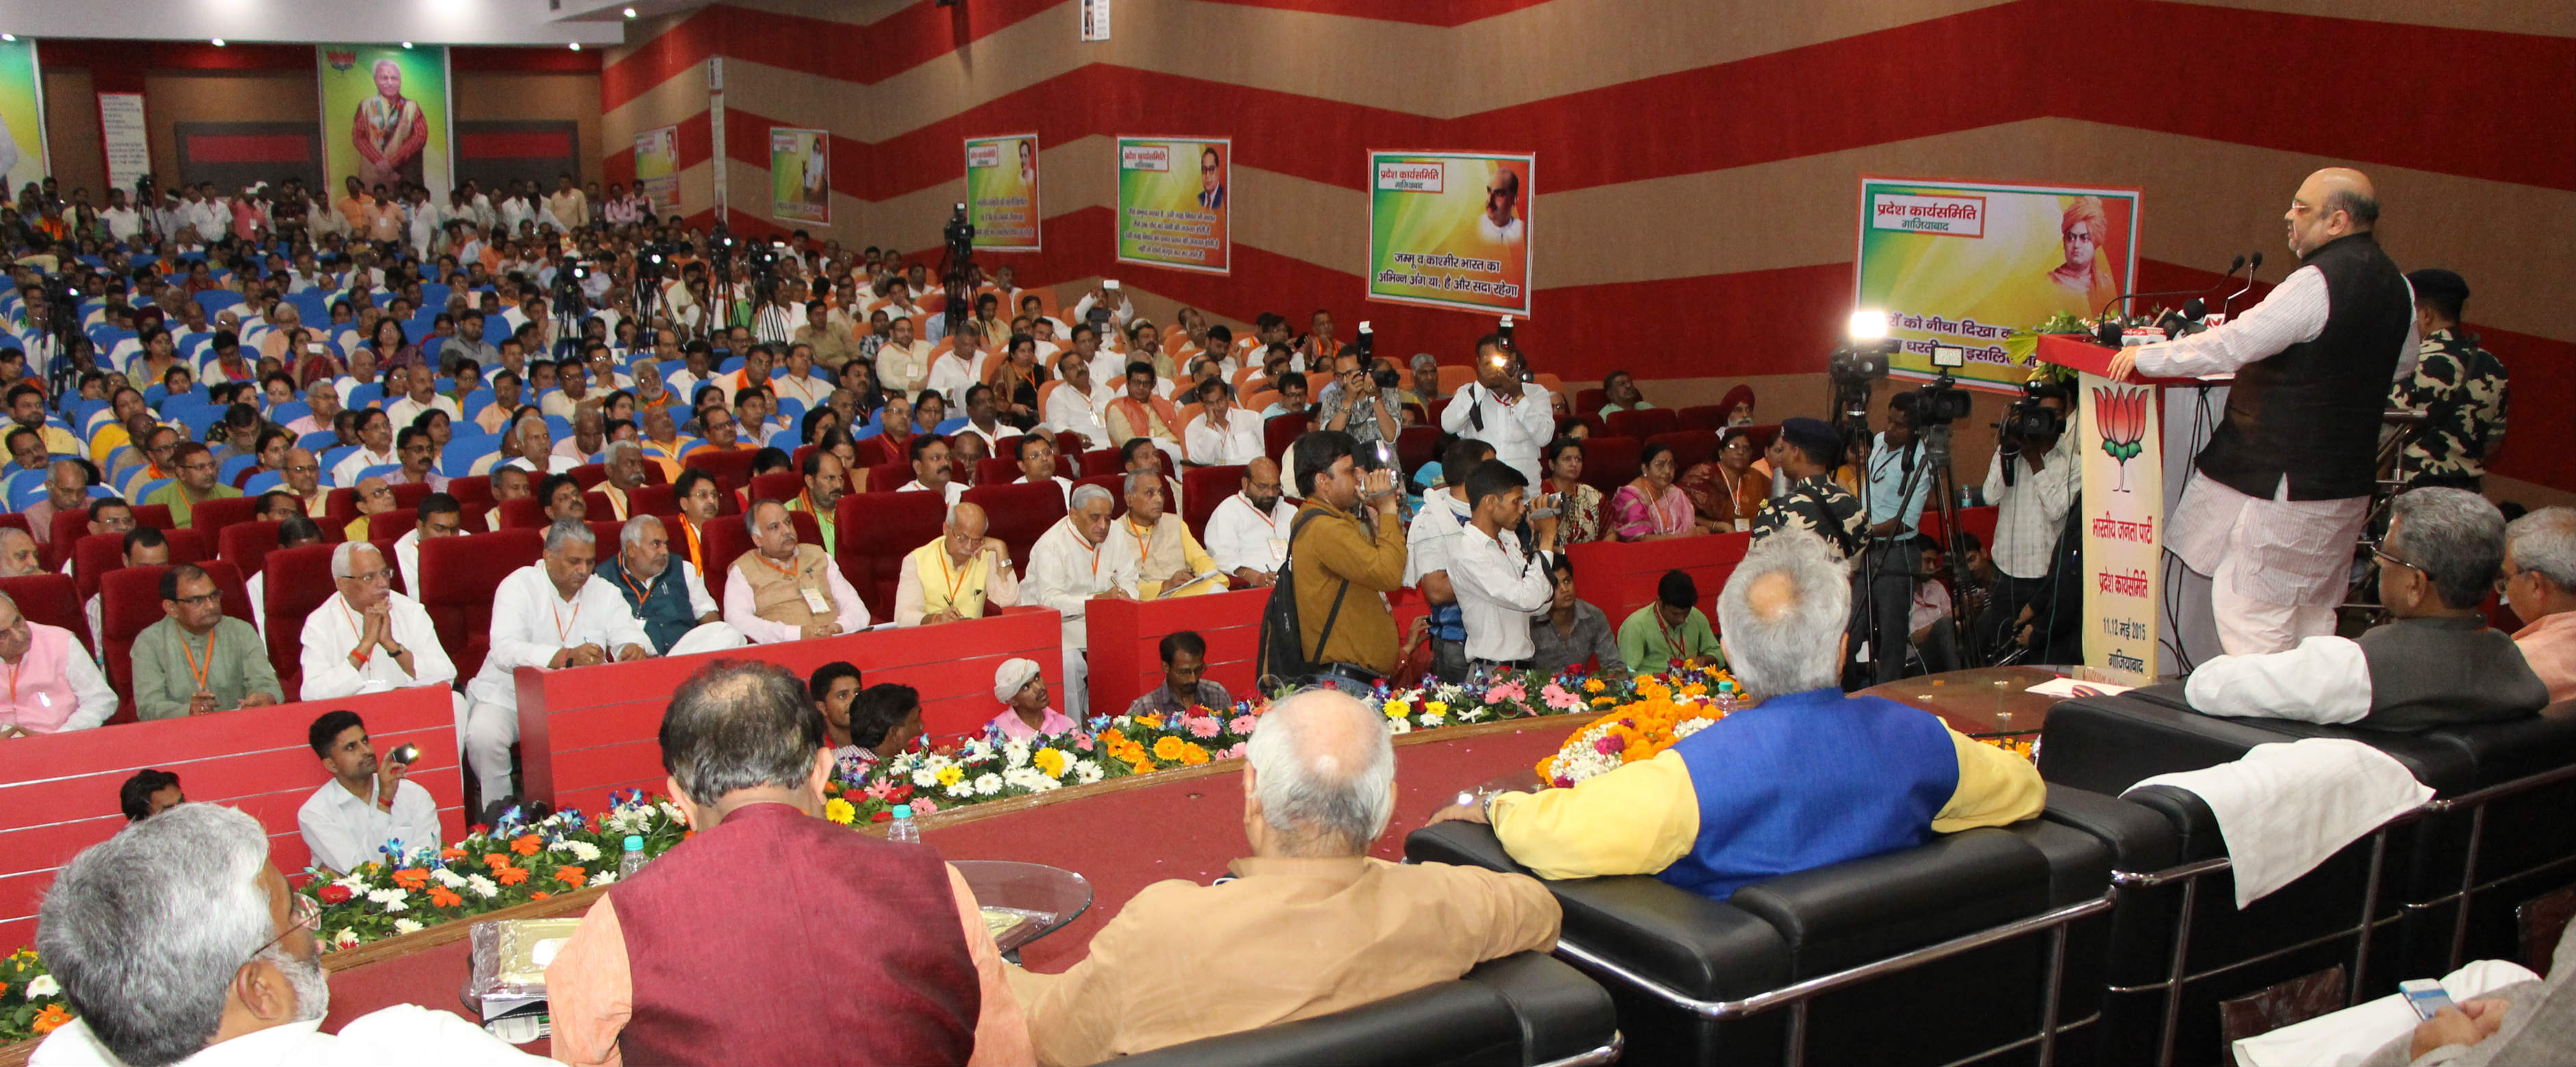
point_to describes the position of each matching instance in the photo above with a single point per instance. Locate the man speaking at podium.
(2279, 494)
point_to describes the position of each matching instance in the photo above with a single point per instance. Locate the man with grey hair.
(530, 445)
(1067, 570)
(909, 974)
(18, 558)
(666, 592)
(784, 589)
(625, 463)
(54, 685)
(1807, 778)
(178, 941)
(2436, 663)
(2540, 583)
(370, 639)
(550, 614)
(1309, 923)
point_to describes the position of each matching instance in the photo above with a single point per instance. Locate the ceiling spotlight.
(630, 12)
(8, 37)
(219, 42)
(406, 44)
(576, 46)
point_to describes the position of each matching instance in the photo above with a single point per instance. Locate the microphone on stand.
(2254, 265)
(2109, 332)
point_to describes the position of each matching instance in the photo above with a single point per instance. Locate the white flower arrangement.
(406, 926)
(448, 878)
(604, 878)
(987, 784)
(481, 886)
(1088, 771)
(584, 851)
(391, 899)
(43, 985)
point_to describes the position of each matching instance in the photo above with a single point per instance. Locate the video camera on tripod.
(1862, 360)
(959, 237)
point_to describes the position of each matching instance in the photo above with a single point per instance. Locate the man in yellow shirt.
(1810, 777)
(1170, 562)
(957, 576)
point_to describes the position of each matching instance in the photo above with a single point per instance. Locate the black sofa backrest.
(1516, 1011)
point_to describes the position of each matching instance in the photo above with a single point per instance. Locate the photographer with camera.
(1357, 401)
(2032, 480)
(1503, 407)
(1899, 481)
(368, 803)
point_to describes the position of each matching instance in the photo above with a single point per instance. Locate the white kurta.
(331, 633)
(405, 1035)
(1239, 535)
(1065, 573)
(1238, 442)
(1517, 430)
(344, 829)
(738, 601)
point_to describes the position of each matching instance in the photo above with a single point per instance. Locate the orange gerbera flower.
(496, 860)
(441, 897)
(539, 895)
(1141, 767)
(527, 845)
(411, 878)
(450, 853)
(572, 876)
(1193, 755)
(511, 875)
(1169, 748)
(50, 1020)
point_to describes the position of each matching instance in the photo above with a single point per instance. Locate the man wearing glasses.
(194, 485)
(302, 476)
(370, 639)
(2436, 663)
(375, 496)
(197, 660)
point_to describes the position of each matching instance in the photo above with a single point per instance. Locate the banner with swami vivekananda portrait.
(1961, 263)
(385, 116)
(1451, 229)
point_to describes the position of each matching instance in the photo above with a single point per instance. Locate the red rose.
(882, 816)
(335, 894)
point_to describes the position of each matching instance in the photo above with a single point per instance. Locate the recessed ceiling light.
(630, 12)
(406, 44)
(219, 42)
(576, 46)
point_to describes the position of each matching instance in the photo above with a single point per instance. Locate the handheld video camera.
(2028, 419)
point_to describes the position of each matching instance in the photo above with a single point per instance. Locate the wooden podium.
(2129, 482)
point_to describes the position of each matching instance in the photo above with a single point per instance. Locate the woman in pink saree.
(1651, 508)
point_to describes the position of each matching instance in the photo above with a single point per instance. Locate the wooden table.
(1984, 701)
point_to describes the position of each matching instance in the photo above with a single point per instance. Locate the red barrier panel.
(587, 731)
(58, 792)
(1978, 521)
(1127, 635)
(1620, 577)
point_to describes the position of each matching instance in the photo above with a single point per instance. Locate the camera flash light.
(1868, 325)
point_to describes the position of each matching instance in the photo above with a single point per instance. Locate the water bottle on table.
(903, 830)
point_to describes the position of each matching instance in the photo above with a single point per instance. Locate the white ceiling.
(482, 22)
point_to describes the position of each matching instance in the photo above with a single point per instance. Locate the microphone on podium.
(2109, 332)
(2251, 266)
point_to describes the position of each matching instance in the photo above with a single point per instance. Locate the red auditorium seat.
(878, 529)
(591, 475)
(156, 516)
(1589, 401)
(653, 500)
(340, 508)
(473, 491)
(299, 580)
(96, 554)
(1642, 424)
(1279, 430)
(1414, 447)
(457, 577)
(732, 470)
(525, 513)
(1600, 428)
(1117, 486)
(130, 601)
(888, 477)
(1204, 488)
(388, 525)
(780, 486)
(1609, 462)
(69, 528)
(727, 541)
(1099, 461)
(246, 545)
(1000, 470)
(1069, 444)
(214, 515)
(796, 459)
(1703, 417)
(607, 532)
(1016, 512)
(1689, 447)
(49, 599)
(595, 505)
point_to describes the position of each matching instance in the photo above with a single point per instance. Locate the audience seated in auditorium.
(197, 661)
(909, 975)
(666, 592)
(418, 453)
(195, 484)
(1619, 393)
(625, 463)
(303, 477)
(825, 485)
(1169, 562)
(1728, 492)
(67, 483)
(369, 805)
(240, 981)
(1035, 454)
(1185, 682)
(1247, 535)
(1309, 923)
(375, 447)
(1341, 552)
(932, 469)
(149, 792)
(1138, 411)
(1807, 778)
(374, 497)
(781, 590)
(2436, 663)
(1020, 684)
(956, 576)
(551, 614)
(1579, 507)
(370, 639)
(1067, 570)
(55, 685)
(1572, 632)
(18, 558)
(2540, 584)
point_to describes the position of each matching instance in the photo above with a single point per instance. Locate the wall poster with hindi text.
(1174, 202)
(2122, 450)
(385, 113)
(22, 118)
(657, 168)
(1961, 264)
(1002, 192)
(800, 179)
(1451, 229)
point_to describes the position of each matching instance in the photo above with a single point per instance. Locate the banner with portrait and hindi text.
(385, 113)
(1174, 202)
(2121, 447)
(657, 168)
(1963, 263)
(1451, 229)
(1002, 192)
(22, 119)
(800, 175)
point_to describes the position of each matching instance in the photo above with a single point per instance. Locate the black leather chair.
(1670, 956)
(2104, 745)
(1523, 1010)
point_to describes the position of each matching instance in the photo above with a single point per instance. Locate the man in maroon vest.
(774, 936)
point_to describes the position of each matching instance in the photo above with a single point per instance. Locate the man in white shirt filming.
(1499, 589)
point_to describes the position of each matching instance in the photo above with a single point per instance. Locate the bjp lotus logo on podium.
(2121, 414)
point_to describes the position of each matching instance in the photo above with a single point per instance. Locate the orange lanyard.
(354, 631)
(14, 668)
(765, 561)
(1267, 519)
(563, 627)
(1144, 544)
(195, 671)
(690, 533)
(958, 578)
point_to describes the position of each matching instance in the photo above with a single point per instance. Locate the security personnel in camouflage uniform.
(1815, 503)
(2458, 386)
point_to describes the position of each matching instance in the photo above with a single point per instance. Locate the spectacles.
(371, 577)
(2384, 557)
(198, 601)
(303, 913)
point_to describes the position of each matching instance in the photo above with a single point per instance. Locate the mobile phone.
(410, 754)
(2425, 995)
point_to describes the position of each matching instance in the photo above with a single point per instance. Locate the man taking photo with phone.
(369, 803)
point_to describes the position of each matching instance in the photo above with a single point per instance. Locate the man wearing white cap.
(1022, 689)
